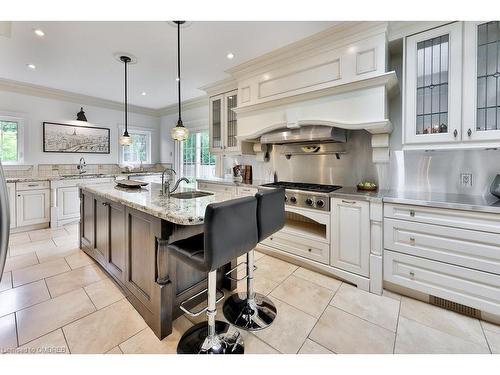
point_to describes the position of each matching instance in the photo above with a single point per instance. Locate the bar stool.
(253, 311)
(230, 230)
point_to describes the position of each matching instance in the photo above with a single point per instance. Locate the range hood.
(305, 134)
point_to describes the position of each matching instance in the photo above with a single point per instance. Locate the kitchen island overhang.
(126, 231)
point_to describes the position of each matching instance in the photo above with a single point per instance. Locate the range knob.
(320, 203)
(293, 199)
(309, 201)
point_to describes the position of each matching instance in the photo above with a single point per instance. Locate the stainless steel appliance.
(299, 194)
(4, 221)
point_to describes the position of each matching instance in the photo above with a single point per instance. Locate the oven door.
(306, 233)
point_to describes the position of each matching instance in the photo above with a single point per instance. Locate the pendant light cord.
(126, 106)
(179, 67)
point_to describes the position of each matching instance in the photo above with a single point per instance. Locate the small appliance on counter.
(242, 173)
(495, 186)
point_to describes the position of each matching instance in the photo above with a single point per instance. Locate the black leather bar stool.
(230, 230)
(253, 311)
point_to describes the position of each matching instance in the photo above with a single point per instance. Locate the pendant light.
(179, 132)
(125, 139)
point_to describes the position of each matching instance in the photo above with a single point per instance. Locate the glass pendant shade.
(179, 132)
(125, 140)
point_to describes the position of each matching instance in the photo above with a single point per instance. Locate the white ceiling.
(78, 56)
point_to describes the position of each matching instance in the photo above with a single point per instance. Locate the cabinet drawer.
(216, 188)
(472, 288)
(306, 248)
(442, 216)
(472, 249)
(246, 191)
(20, 186)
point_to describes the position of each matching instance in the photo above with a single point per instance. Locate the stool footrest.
(228, 273)
(196, 313)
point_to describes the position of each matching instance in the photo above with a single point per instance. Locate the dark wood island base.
(131, 246)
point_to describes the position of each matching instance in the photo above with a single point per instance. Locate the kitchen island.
(127, 232)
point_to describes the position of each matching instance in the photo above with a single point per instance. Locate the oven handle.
(348, 202)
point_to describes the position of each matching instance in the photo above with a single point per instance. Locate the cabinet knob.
(412, 240)
(455, 133)
(412, 274)
(469, 132)
(309, 250)
(412, 213)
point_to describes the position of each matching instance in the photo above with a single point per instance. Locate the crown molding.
(219, 87)
(341, 34)
(50, 93)
(401, 29)
(171, 109)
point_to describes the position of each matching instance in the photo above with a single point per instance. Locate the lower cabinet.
(68, 203)
(32, 207)
(351, 236)
(11, 191)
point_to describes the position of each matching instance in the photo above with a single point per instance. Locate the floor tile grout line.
(65, 339)
(96, 309)
(131, 337)
(48, 289)
(303, 278)
(366, 320)
(322, 345)
(397, 327)
(486, 338)
(17, 333)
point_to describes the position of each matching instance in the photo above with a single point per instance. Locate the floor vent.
(456, 307)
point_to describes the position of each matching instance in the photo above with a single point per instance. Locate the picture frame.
(75, 139)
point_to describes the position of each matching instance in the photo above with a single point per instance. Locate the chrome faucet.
(81, 166)
(165, 184)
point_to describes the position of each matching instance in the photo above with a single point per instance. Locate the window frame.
(181, 152)
(135, 130)
(20, 139)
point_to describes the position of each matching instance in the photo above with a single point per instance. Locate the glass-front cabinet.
(223, 123)
(433, 84)
(481, 98)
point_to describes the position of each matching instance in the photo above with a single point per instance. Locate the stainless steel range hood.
(305, 134)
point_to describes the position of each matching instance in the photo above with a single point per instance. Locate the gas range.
(299, 194)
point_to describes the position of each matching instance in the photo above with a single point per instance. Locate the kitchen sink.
(190, 194)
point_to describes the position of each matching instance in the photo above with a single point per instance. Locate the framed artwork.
(75, 138)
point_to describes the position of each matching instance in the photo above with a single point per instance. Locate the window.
(197, 161)
(140, 149)
(11, 140)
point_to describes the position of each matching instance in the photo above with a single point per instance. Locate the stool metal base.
(250, 315)
(226, 341)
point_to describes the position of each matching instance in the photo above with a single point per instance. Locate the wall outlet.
(466, 179)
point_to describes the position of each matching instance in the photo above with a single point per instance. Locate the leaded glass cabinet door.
(433, 86)
(481, 81)
(216, 122)
(231, 128)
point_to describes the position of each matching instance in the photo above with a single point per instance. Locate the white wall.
(35, 110)
(193, 118)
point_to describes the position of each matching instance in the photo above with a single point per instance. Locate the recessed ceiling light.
(31, 66)
(230, 55)
(143, 93)
(39, 32)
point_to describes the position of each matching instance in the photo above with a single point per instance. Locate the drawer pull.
(348, 202)
(309, 250)
(412, 213)
(412, 240)
(32, 185)
(412, 274)
(105, 203)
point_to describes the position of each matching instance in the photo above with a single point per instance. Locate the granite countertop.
(225, 181)
(488, 203)
(150, 201)
(77, 176)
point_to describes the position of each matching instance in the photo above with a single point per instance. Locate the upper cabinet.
(451, 93)
(223, 125)
(433, 85)
(481, 84)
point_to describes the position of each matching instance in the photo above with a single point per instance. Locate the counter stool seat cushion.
(191, 251)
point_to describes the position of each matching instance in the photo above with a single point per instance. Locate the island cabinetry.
(131, 246)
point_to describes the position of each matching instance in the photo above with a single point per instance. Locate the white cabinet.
(11, 191)
(68, 203)
(350, 241)
(223, 125)
(32, 207)
(433, 86)
(224, 191)
(481, 109)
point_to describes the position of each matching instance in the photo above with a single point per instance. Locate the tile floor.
(55, 299)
